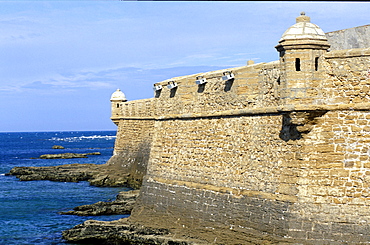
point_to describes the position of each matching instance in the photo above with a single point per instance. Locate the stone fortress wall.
(278, 154)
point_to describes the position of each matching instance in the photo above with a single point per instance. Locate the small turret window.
(297, 64)
(316, 63)
(117, 105)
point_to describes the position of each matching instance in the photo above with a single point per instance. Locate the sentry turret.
(301, 48)
(117, 98)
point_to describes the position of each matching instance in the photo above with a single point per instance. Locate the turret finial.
(303, 18)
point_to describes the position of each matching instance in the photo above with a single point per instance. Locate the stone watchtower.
(301, 48)
(116, 104)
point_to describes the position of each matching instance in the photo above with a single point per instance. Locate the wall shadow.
(173, 92)
(228, 85)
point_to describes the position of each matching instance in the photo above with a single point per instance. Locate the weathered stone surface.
(123, 204)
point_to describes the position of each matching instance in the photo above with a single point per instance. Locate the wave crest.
(81, 138)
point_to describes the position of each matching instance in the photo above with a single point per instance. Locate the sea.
(29, 210)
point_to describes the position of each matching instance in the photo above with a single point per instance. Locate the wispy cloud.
(129, 78)
(17, 20)
(63, 84)
(22, 27)
(91, 80)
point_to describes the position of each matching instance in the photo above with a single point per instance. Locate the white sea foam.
(80, 138)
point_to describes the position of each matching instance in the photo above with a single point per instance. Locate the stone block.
(287, 189)
(339, 172)
(336, 191)
(298, 234)
(342, 228)
(329, 165)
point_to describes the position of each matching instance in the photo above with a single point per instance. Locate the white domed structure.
(303, 29)
(118, 95)
(117, 99)
(302, 34)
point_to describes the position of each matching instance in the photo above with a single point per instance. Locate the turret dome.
(118, 95)
(303, 29)
(303, 32)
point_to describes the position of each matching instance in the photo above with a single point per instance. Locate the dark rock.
(93, 153)
(67, 155)
(122, 232)
(97, 175)
(63, 156)
(57, 147)
(64, 173)
(123, 204)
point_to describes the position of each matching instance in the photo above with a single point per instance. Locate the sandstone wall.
(224, 180)
(133, 143)
(333, 182)
(230, 164)
(333, 200)
(254, 86)
(348, 73)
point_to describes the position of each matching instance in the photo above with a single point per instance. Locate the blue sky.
(61, 60)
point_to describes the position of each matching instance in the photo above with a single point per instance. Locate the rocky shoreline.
(123, 232)
(96, 175)
(120, 231)
(123, 204)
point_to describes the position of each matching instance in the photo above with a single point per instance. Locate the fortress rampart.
(279, 153)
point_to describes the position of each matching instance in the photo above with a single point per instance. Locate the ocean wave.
(81, 138)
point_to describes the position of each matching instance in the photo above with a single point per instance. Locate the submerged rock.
(67, 155)
(93, 153)
(57, 147)
(123, 204)
(63, 156)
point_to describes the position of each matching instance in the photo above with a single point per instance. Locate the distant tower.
(117, 98)
(301, 48)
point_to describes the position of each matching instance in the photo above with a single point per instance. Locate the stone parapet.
(257, 111)
(261, 94)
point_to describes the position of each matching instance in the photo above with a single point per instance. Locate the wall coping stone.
(257, 111)
(348, 53)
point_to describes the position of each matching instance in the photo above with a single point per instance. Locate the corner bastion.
(267, 153)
